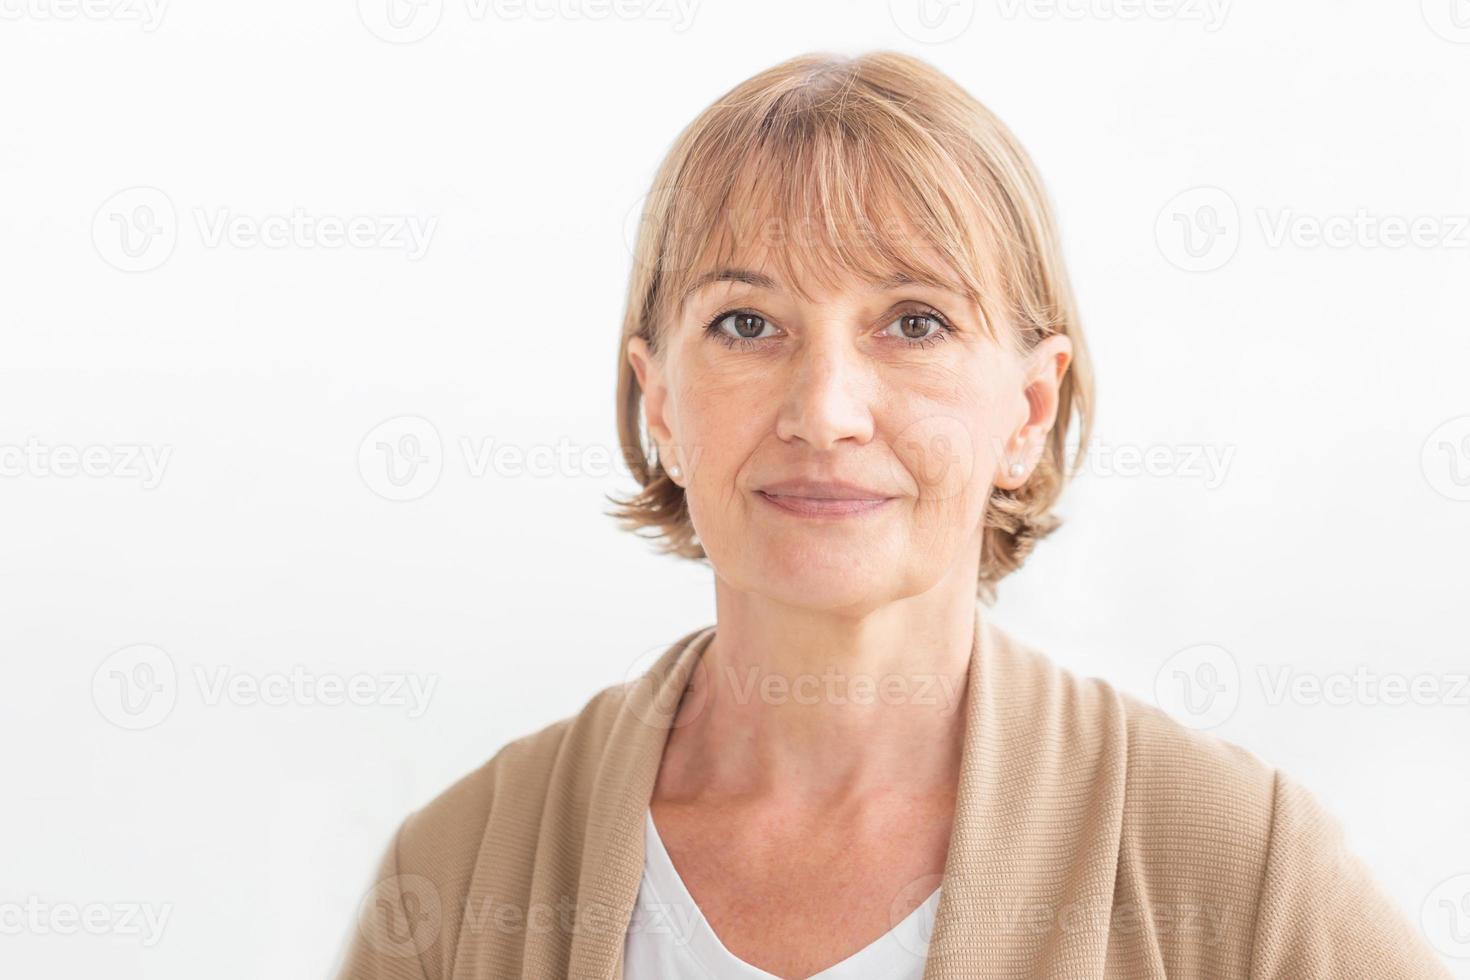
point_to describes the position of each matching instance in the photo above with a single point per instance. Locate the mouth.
(825, 503)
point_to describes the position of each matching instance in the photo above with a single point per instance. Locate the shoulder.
(436, 857)
(1172, 773)
(1191, 812)
(422, 892)
(1230, 865)
(1192, 777)
(517, 777)
(1199, 819)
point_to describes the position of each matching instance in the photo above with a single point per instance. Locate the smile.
(823, 507)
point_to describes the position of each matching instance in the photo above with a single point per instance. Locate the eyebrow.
(763, 281)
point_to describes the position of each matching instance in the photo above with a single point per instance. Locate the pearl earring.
(675, 471)
(1017, 469)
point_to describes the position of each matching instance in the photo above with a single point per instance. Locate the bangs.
(817, 193)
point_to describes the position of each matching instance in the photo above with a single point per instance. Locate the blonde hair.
(841, 146)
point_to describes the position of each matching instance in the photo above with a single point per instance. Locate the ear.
(1043, 369)
(650, 373)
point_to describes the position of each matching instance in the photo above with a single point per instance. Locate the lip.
(822, 498)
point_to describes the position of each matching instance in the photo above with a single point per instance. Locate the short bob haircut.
(870, 166)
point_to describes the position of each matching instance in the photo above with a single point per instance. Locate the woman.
(851, 341)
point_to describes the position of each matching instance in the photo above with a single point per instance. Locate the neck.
(820, 707)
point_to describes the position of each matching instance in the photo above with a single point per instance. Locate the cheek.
(944, 442)
(719, 426)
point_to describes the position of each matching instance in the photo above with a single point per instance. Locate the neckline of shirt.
(911, 935)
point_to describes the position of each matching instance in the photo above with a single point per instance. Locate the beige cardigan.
(1094, 837)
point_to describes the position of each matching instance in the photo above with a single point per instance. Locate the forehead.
(765, 249)
(771, 281)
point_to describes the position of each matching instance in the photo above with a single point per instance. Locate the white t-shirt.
(669, 939)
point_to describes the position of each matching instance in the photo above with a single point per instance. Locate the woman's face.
(838, 451)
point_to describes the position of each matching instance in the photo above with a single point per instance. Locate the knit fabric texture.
(1094, 837)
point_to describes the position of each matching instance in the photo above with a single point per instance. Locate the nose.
(828, 396)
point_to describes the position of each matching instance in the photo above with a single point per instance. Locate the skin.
(807, 826)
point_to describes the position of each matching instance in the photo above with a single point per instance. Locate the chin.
(822, 573)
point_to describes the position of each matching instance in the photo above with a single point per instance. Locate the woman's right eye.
(738, 328)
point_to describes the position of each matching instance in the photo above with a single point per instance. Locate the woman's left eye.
(920, 329)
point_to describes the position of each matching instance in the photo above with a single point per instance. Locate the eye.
(745, 328)
(921, 328)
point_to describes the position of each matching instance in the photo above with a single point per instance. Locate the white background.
(1329, 379)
